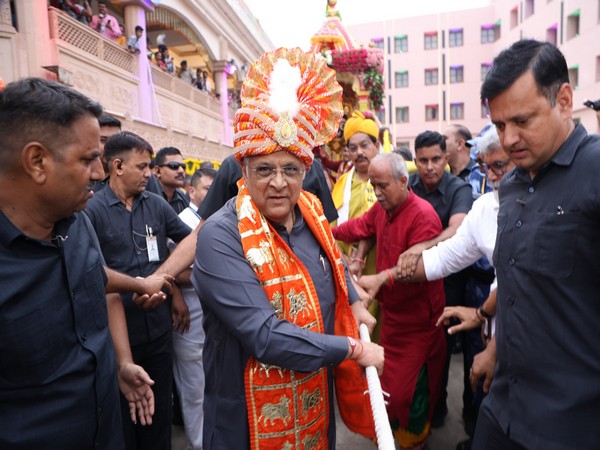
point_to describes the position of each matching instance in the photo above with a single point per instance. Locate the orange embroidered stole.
(288, 409)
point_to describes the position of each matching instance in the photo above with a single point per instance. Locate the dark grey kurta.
(239, 322)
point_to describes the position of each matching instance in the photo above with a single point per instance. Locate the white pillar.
(220, 75)
(32, 18)
(134, 13)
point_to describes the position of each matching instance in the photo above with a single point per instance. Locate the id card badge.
(151, 245)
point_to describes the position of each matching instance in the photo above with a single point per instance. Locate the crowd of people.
(112, 29)
(239, 292)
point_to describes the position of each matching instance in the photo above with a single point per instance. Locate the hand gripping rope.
(385, 439)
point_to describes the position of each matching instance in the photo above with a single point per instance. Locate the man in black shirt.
(545, 392)
(132, 227)
(58, 373)
(169, 170)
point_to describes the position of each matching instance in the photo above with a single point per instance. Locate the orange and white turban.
(290, 101)
(361, 123)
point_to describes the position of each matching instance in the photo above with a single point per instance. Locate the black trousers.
(156, 358)
(489, 435)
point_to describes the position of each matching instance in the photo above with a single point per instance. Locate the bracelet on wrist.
(479, 316)
(390, 277)
(484, 313)
(361, 262)
(362, 349)
(352, 343)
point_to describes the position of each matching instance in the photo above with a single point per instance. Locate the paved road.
(444, 438)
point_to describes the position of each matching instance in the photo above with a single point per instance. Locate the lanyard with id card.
(151, 245)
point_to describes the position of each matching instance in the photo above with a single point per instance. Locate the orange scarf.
(288, 409)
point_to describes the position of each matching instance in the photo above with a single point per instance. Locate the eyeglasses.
(291, 173)
(498, 167)
(173, 165)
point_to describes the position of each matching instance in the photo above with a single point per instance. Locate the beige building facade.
(221, 37)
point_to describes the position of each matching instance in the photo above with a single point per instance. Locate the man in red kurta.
(414, 347)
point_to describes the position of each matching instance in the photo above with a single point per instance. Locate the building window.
(490, 33)
(457, 111)
(378, 43)
(456, 38)
(456, 74)
(529, 8)
(485, 112)
(574, 76)
(485, 68)
(401, 79)
(402, 114)
(405, 144)
(431, 112)
(431, 76)
(401, 44)
(551, 34)
(514, 17)
(573, 24)
(431, 40)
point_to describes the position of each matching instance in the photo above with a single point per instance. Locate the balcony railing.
(179, 87)
(87, 40)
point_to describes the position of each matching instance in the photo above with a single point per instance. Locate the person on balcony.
(199, 81)
(80, 10)
(159, 60)
(133, 43)
(202, 81)
(104, 23)
(167, 58)
(185, 73)
(122, 40)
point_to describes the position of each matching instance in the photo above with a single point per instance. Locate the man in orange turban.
(280, 313)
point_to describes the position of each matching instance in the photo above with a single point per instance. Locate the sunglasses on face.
(173, 165)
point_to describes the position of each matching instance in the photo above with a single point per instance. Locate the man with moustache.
(104, 23)
(545, 392)
(353, 194)
(132, 227)
(169, 170)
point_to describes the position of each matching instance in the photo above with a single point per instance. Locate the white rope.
(385, 439)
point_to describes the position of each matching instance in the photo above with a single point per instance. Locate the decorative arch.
(182, 37)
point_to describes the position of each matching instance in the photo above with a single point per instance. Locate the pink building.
(434, 64)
